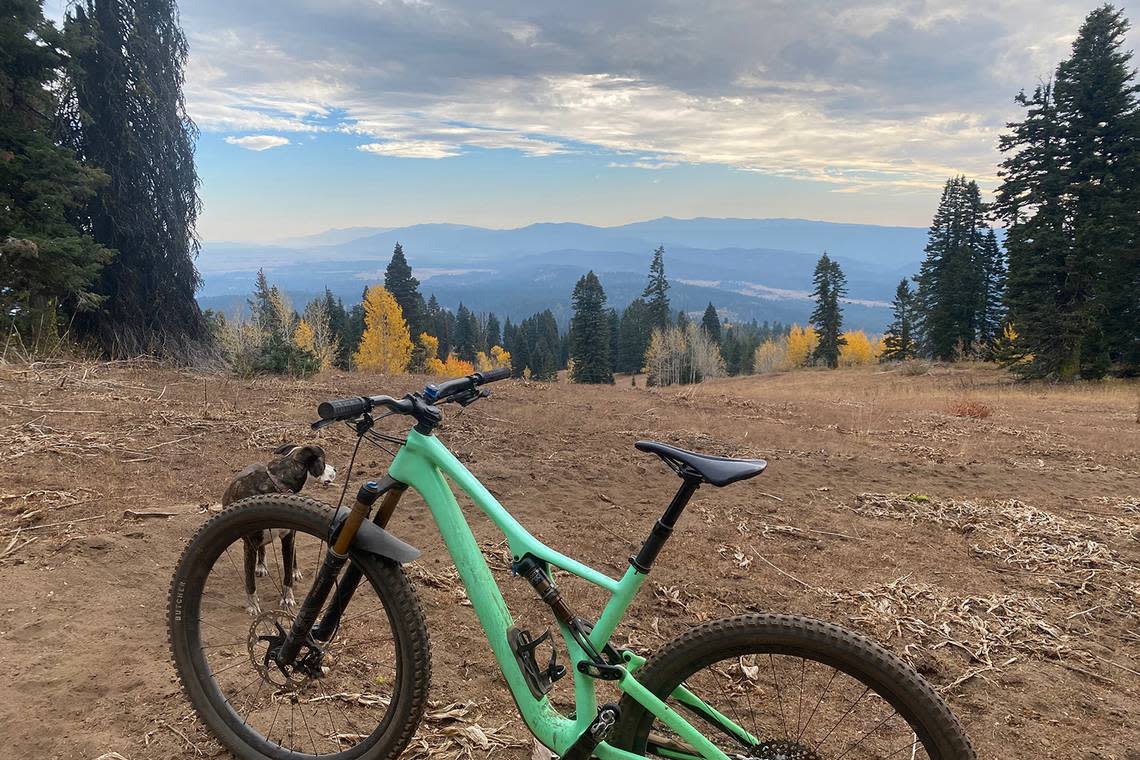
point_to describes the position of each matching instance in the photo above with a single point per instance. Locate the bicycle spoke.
(779, 697)
(818, 702)
(868, 733)
(842, 718)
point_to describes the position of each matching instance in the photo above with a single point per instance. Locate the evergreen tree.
(590, 332)
(48, 262)
(682, 320)
(960, 276)
(656, 293)
(898, 342)
(398, 281)
(536, 346)
(1096, 104)
(466, 342)
(493, 338)
(633, 336)
(1030, 202)
(1070, 203)
(128, 117)
(830, 286)
(710, 323)
(613, 320)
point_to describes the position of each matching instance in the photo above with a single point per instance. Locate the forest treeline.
(98, 205)
(98, 191)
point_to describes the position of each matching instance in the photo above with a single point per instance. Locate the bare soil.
(998, 550)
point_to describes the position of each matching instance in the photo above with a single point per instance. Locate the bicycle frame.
(423, 463)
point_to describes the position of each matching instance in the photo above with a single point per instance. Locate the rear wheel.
(361, 694)
(790, 688)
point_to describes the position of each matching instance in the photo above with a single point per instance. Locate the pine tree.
(656, 293)
(1030, 202)
(827, 318)
(128, 117)
(710, 323)
(899, 340)
(398, 281)
(48, 262)
(590, 332)
(958, 279)
(465, 343)
(1071, 206)
(493, 336)
(634, 331)
(386, 345)
(1096, 96)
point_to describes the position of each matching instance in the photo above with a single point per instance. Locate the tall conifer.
(590, 332)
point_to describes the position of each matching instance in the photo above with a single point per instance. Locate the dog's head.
(304, 460)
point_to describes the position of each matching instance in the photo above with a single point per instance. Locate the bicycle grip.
(343, 408)
(502, 373)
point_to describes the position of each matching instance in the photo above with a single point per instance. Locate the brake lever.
(322, 424)
(467, 399)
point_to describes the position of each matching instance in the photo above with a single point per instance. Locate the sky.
(317, 114)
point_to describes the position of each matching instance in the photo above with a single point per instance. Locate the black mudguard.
(373, 539)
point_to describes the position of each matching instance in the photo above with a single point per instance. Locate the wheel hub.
(783, 750)
(263, 650)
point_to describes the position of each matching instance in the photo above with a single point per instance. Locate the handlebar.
(414, 405)
(438, 393)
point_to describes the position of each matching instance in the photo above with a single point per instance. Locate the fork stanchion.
(327, 576)
(326, 628)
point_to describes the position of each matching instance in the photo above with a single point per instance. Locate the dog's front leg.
(262, 570)
(288, 601)
(251, 603)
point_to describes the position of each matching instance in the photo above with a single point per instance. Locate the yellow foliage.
(801, 344)
(770, 356)
(857, 350)
(385, 346)
(500, 356)
(430, 346)
(453, 367)
(303, 337)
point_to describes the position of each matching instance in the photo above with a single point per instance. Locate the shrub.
(969, 408)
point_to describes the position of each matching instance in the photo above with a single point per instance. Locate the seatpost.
(664, 526)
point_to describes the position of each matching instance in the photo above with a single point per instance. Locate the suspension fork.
(335, 559)
(392, 491)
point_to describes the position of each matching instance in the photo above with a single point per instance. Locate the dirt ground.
(1001, 554)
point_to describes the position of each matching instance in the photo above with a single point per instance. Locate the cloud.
(857, 94)
(410, 149)
(258, 142)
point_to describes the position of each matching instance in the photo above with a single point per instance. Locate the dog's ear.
(284, 449)
(313, 457)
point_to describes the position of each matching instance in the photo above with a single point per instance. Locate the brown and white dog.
(285, 474)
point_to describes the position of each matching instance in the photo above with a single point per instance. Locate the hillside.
(749, 268)
(999, 554)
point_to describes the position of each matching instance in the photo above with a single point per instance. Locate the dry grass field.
(988, 531)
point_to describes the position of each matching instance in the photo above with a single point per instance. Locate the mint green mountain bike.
(344, 674)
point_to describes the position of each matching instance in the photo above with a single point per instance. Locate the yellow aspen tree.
(500, 356)
(770, 356)
(801, 345)
(303, 337)
(857, 350)
(385, 346)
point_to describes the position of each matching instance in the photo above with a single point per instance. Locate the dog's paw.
(288, 601)
(252, 606)
(298, 575)
(261, 570)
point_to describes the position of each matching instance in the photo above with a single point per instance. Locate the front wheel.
(779, 687)
(361, 692)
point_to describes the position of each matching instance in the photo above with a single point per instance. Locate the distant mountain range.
(748, 268)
